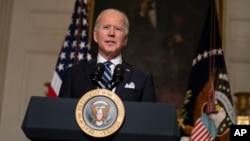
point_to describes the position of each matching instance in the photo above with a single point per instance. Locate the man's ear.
(95, 36)
(126, 40)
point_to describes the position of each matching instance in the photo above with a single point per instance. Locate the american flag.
(208, 92)
(204, 129)
(75, 48)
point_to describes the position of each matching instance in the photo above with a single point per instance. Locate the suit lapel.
(91, 66)
(128, 71)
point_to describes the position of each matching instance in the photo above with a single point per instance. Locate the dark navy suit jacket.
(77, 81)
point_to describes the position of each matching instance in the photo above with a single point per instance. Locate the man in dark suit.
(111, 34)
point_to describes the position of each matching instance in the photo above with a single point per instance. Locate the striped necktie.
(107, 75)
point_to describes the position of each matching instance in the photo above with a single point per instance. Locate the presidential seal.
(100, 113)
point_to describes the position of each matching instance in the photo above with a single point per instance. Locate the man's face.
(110, 35)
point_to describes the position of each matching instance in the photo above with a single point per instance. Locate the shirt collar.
(115, 61)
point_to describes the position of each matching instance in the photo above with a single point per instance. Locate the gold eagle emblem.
(100, 113)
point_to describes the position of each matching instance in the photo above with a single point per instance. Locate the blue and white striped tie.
(107, 75)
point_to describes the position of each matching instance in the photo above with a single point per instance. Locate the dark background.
(156, 49)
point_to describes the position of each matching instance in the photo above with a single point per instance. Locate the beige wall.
(5, 21)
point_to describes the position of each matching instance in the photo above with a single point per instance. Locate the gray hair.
(113, 10)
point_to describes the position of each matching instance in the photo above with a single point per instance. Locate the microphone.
(117, 75)
(96, 75)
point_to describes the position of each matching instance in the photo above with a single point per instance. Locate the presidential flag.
(208, 111)
(75, 48)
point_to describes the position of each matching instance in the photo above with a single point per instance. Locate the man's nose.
(111, 31)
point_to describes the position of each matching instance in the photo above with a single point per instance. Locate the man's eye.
(118, 28)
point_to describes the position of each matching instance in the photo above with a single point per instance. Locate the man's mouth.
(109, 41)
